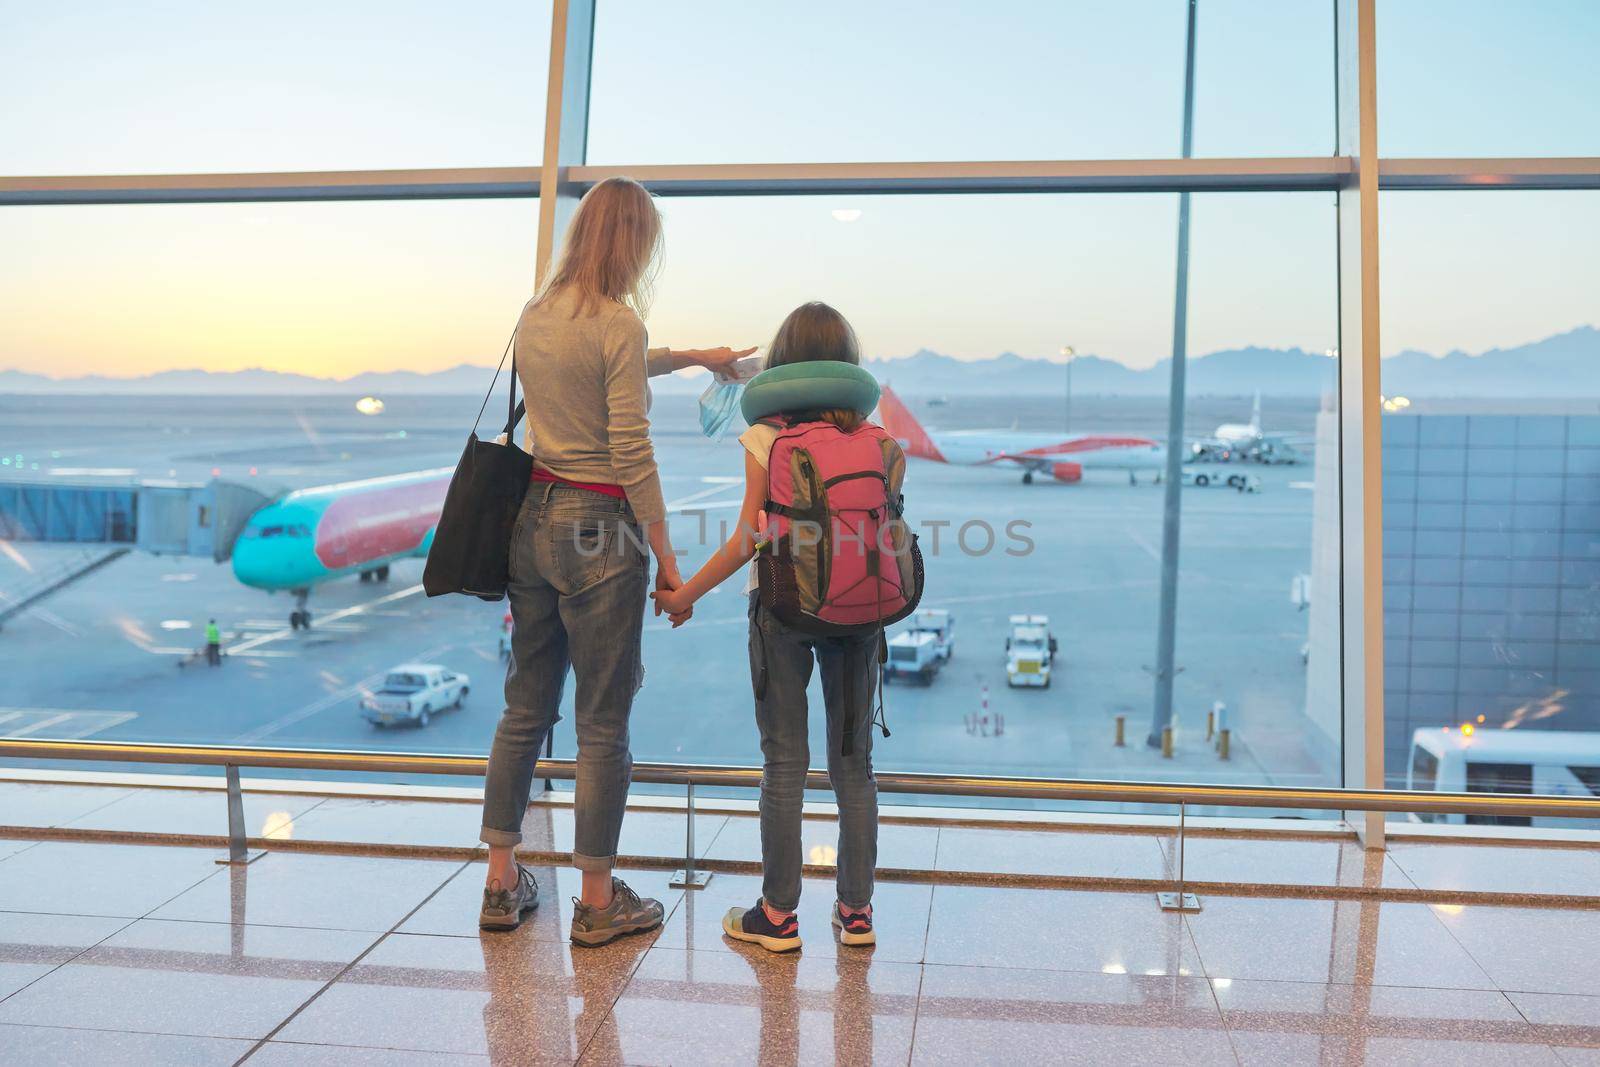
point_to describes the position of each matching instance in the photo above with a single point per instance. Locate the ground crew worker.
(213, 644)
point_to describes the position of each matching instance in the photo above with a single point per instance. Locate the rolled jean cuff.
(500, 838)
(593, 863)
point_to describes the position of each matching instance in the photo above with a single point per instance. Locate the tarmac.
(109, 658)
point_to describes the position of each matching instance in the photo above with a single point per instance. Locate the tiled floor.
(115, 953)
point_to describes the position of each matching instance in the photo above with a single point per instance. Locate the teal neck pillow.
(816, 385)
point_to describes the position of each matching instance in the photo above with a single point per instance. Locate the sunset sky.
(333, 289)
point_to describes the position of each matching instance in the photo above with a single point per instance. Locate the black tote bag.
(471, 550)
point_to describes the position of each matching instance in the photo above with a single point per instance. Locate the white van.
(1487, 760)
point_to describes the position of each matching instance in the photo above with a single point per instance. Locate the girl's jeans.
(780, 669)
(578, 576)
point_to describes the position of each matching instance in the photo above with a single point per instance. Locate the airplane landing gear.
(1027, 477)
(300, 617)
(376, 574)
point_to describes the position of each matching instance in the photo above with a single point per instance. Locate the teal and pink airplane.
(317, 535)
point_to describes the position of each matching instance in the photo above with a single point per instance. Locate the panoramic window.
(1039, 509)
(1482, 78)
(1491, 432)
(288, 386)
(1076, 80)
(106, 88)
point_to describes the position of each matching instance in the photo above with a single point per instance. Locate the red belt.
(606, 488)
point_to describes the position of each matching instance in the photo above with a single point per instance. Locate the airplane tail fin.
(904, 427)
(1255, 413)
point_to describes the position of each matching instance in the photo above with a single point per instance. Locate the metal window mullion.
(1290, 174)
(566, 123)
(1360, 415)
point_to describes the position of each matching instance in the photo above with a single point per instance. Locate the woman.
(578, 565)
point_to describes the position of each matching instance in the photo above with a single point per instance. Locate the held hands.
(669, 595)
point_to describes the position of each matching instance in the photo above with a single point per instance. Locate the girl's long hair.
(613, 245)
(811, 332)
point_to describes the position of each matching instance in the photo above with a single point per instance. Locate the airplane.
(316, 535)
(328, 532)
(1063, 457)
(1247, 440)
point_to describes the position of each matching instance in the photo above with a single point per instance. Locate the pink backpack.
(841, 559)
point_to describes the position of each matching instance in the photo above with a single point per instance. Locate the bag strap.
(514, 408)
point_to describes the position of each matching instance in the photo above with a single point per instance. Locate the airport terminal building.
(1491, 559)
(1244, 360)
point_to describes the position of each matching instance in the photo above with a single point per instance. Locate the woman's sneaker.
(855, 927)
(754, 926)
(502, 908)
(626, 914)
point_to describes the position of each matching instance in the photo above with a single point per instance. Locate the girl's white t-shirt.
(758, 441)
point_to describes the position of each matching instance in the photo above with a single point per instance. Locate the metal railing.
(1179, 795)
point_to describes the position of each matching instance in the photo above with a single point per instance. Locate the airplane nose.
(250, 566)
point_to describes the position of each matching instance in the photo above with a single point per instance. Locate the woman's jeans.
(780, 670)
(578, 577)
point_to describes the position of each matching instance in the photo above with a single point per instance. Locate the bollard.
(1222, 744)
(1122, 729)
(1211, 724)
(1166, 742)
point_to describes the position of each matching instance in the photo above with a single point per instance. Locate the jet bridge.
(108, 521)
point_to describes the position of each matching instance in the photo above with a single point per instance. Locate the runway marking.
(63, 724)
(334, 698)
(42, 724)
(677, 505)
(343, 613)
(1149, 550)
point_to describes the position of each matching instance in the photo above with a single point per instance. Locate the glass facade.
(840, 81)
(211, 358)
(105, 88)
(1491, 493)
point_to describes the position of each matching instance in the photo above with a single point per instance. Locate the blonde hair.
(816, 331)
(613, 245)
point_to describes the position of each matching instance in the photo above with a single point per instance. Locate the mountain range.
(1563, 364)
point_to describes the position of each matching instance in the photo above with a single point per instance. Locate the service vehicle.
(412, 693)
(921, 649)
(1476, 758)
(1030, 651)
(1244, 483)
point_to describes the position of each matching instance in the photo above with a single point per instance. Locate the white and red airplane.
(1063, 457)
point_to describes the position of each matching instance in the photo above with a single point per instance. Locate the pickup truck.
(412, 692)
(1030, 651)
(920, 650)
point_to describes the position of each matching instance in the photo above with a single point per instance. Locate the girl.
(780, 667)
(578, 577)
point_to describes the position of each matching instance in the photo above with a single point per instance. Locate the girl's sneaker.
(752, 925)
(855, 927)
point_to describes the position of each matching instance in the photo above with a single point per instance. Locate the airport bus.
(1470, 759)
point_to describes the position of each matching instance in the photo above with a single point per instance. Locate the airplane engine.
(1066, 472)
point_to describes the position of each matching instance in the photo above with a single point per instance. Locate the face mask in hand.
(718, 404)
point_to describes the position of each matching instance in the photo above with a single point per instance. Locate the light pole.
(1167, 619)
(1067, 352)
